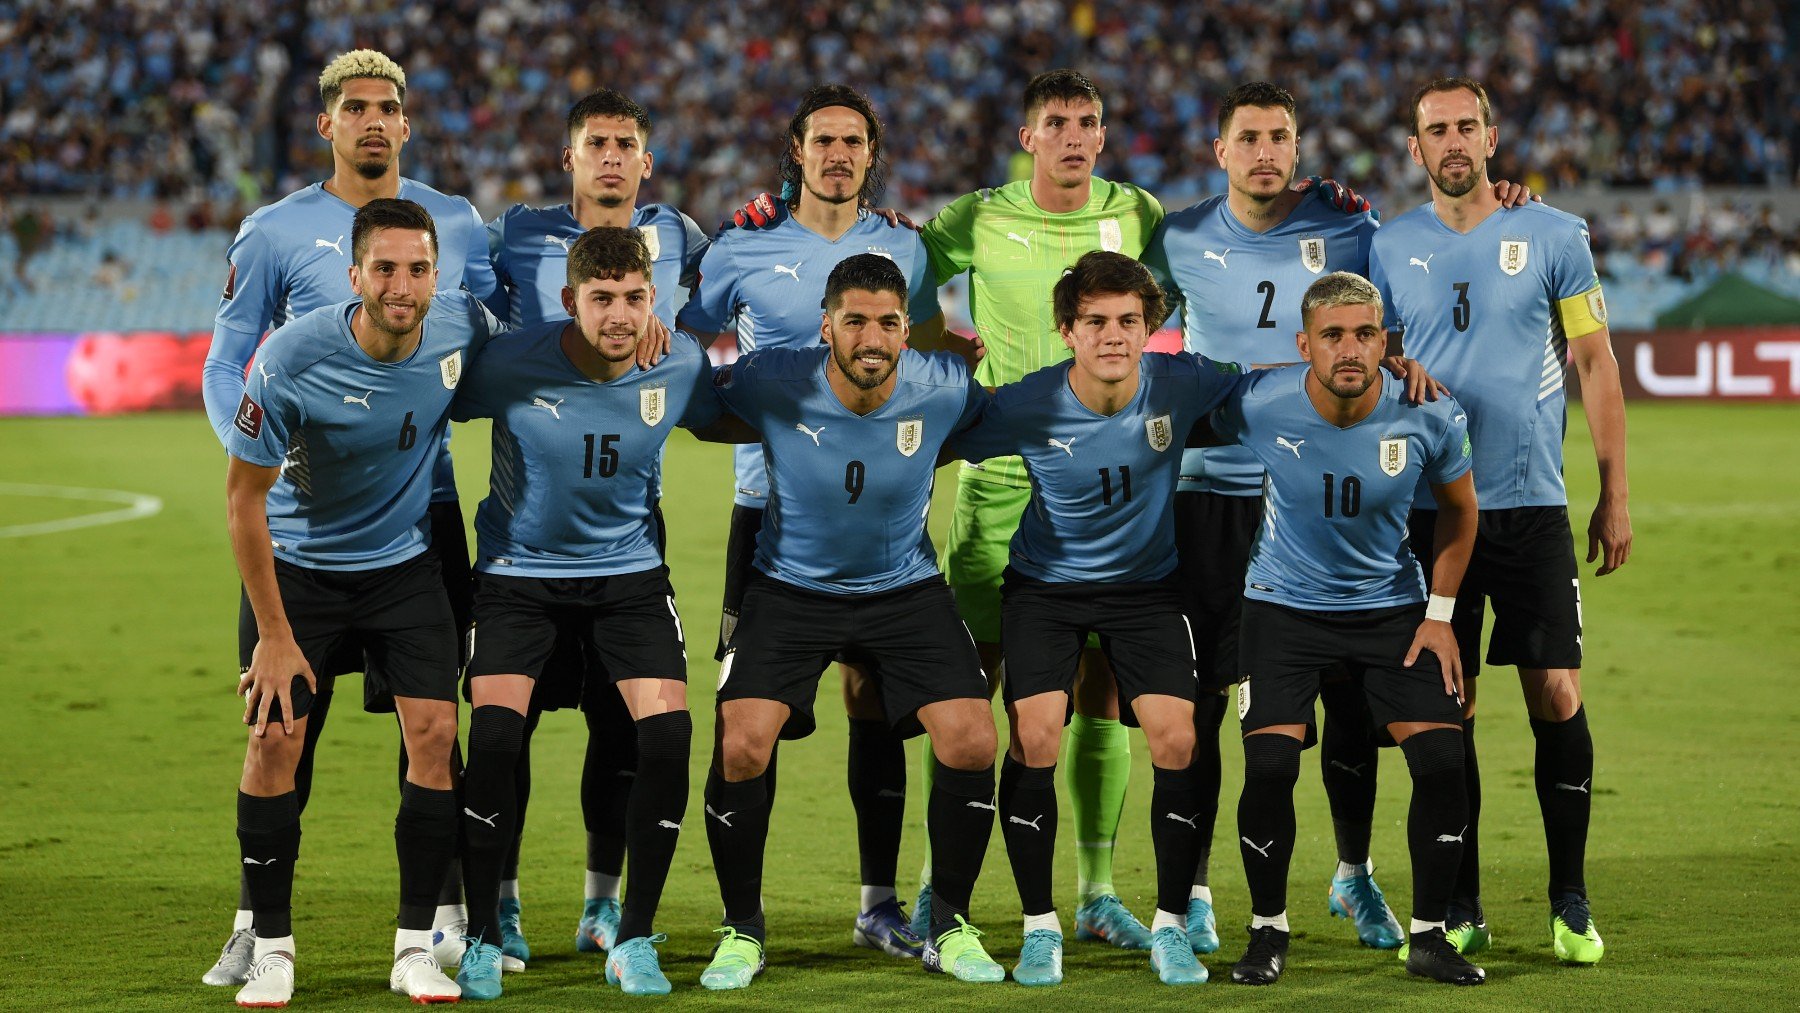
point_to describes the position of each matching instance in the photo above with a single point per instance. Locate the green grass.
(119, 749)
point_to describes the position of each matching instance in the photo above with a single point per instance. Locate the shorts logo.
(909, 435)
(1243, 699)
(722, 376)
(1158, 432)
(1312, 253)
(249, 418)
(725, 671)
(1513, 255)
(450, 368)
(652, 241)
(653, 401)
(1393, 456)
(1112, 237)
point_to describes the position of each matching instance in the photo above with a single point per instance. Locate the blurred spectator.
(30, 227)
(161, 218)
(110, 272)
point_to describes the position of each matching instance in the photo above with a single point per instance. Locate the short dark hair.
(1102, 273)
(825, 96)
(610, 103)
(1065, 84)
(389, 213)
(865, 272)
(608, 252)
(1444, 84)
(1260, 94)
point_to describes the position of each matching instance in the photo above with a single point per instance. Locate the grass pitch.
(119, 749)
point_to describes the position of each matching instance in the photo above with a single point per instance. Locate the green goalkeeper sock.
(1097, 769)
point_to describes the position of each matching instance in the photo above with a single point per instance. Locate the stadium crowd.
(147, 98)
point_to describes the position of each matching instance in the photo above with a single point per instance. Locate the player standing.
(608, 158)
(771, 281)
(844, 566)
(1494, 305)
(1332, 582)
(1095, 555)
(332, 451)
(292, 257)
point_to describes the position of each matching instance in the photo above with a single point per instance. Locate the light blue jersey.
(1102, 503)
(293, 256)
(570, 492)
(355, 438)
(771, 282)
(1482, 313)
(1335, 501)
(1239, 293)
(848, 493)
(530, 251)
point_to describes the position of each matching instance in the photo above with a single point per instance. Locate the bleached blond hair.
(359, 63)
(1339, 288)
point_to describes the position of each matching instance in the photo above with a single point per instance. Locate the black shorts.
(740, 557)
(625, 626)
(1287, 651)
(397, 615)
(1524, 563)
(1213, 535)
(1045, 625)
(910, 638)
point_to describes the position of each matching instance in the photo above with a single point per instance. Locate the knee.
(743, 754)
(1172, 748)
(1271, 758)
(430, 736)
(969, 745)
(275, 754)
(1038, 742)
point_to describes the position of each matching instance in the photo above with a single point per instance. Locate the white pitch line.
(136, 506)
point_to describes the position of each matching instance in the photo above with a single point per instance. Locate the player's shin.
(877, 779)
(1028, 825)
(960, 817)
(425, 842)
(737, 830)
(1437, 821)
(1565, 777)
(269, 843)
(1098, 769)
(607, 771)
(1176, 827)
(659, 798)
(490, 812)
(1266, 819)
(1208, 773)
(1467, 893)
(1348, 756)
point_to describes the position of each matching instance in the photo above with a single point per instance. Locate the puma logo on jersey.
(1261, 849)
(1458, 839)
(335, 244)
(364, 400)
(792, 272)
(1220, 257)
(1032, 823)
(538, 402)
(814, 433)
(1416, 262)
(489, 820)
(561, 241)
(1067, 448)
(1024, 240)
(1282, 441)
(266, 375)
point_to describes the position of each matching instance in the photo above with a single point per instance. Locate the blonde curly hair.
(359, 63)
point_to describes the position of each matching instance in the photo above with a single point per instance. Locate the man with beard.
(1332, 582)
(332, 447)
(844, 568)
(770, 282)
(1494, 306)
(292, 257)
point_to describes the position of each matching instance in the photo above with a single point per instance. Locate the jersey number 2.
(1267, 288)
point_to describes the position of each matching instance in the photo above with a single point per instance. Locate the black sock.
(269, 844)
(607, 771)
(1209, 713)
(496, 737)
(1266, 818)
(1176, 807)
(1348, 758)
(737, 831)
(522, 779)
(315, 726)
(877, 775)
(960, 819)
(1565, 782)
(1438, 820)
(452, 890)
(425, 841)
(1467, 894)
(1028, 826)
(658, 799)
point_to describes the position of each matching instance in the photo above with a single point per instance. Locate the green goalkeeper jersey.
(1015, 252)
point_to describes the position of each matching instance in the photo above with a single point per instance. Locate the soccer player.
(333, 447)
(1101, 438)
(290, 258)
(568, 546)
(1332, 582)
(608, 158)
(1494, 305)
(851, 432)
(771, 281)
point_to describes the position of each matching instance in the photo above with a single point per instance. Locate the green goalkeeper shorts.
(981, 530)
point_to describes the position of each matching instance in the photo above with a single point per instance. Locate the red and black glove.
(1338, 195)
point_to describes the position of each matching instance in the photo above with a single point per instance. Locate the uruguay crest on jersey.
(909, 435)
(652, 242)
(652, 401)
(1393, 456)
(450, 368)
(1312, 253)
(1158, 432)
(1513, 254)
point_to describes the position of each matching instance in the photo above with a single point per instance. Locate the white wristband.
(1440, 608)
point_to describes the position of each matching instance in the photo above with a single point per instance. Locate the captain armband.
(1582, 314)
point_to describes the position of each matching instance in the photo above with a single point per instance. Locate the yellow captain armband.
(1582, 314)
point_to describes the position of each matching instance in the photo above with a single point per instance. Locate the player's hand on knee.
(1514, 195)
(655, 344)
(274, 665)
(1609, 536)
